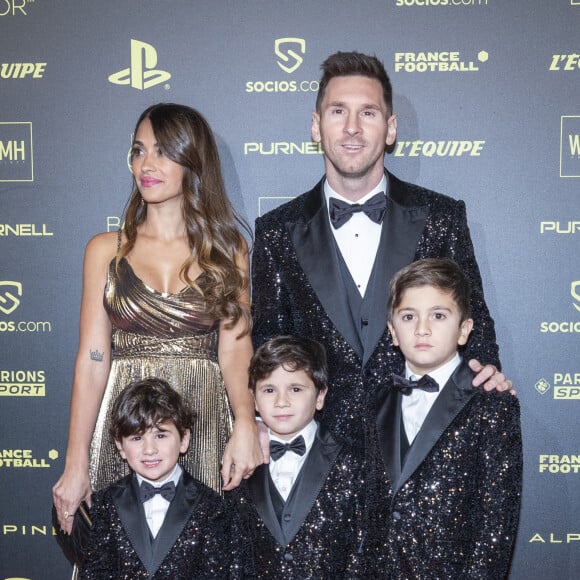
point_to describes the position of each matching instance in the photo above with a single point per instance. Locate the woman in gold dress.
(168, 296)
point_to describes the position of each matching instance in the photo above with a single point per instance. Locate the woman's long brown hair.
(213, 227)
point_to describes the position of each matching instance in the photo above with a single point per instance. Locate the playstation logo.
(142, 73)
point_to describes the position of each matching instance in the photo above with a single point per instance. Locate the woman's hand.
(242, 455)
(67, 494)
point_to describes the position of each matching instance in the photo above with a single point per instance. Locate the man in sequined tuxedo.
(451, 454)
(158, 522)
(321, 265)
(301, 516)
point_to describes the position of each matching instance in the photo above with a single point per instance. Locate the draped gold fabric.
(167, 336)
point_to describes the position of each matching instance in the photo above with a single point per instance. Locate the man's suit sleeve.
(271, 308)
(482, 343)
(500, 485)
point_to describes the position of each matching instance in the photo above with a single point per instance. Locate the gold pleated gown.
(168, 336)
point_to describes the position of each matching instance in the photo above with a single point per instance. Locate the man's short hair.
(343, 64)
(293, 354)
(147, 403)
(441, 273)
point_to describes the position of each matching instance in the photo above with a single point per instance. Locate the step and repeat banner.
(487, 94)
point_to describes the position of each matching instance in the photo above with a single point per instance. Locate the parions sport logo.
(289, 55)
(564, 386)
(22, 383)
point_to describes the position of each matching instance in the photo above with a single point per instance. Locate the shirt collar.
(308, 432)
(329, 192)
(441, 374)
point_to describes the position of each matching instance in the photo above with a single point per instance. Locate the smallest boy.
(301, 514)
(157, 522)
(452, 453)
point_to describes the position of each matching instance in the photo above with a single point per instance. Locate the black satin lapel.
(402, 229)
(315, 470)
(179, 512)
(448, 405)
(260, 492)
(316, 251)
(132, 516)
(389, 431)
(404, 226)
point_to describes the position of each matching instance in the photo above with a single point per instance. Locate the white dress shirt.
(416, 406)
(358, 239)
(285, 470)
(157, 506)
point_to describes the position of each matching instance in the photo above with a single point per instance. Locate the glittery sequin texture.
(456, 515)
(328, 543)
(285, 302)
(170, 337)
(199, 549)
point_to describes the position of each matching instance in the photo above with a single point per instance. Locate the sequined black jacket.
(193, 542)
(297, 289)
(321, 530)
(450, 508)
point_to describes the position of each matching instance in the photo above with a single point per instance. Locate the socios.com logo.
(289, 52)
(9, 296)
(575, 292)
(566, 326)
(141, 74)
(290, 60)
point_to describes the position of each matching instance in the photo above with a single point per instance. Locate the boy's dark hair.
(344, 64)
(147, 403)
(441, 273)
(294, 354)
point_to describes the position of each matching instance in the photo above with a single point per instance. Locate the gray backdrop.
(487, 97)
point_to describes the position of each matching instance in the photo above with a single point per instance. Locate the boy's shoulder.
(349, 460)
(497, 411)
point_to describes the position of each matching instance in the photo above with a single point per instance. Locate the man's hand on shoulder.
(490, 377)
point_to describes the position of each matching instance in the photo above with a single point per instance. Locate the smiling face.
(427, 327)
(354, 127)
(158, 178)
(287, 401)
(154, 453)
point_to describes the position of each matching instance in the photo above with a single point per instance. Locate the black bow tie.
(147, 491)
(341, 212)
(278, 449)
(406, 386)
